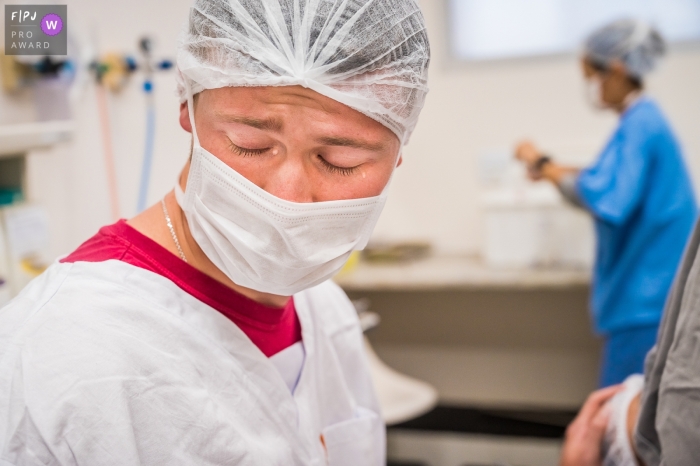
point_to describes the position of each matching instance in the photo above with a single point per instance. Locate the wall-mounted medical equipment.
(146, 47)
(35, 113)
(112, 72)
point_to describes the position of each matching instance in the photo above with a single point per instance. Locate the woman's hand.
(582, 444)
(533, 159)
(527, 153)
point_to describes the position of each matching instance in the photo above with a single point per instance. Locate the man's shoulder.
(31, 300)
(78, 281)
(88, 322)
(69, 301)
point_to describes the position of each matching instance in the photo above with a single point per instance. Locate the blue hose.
(148, 152)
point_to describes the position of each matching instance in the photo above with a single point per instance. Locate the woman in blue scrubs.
(638, 191)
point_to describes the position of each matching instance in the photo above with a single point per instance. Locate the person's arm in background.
(584, 436)
(541, 167)
(613, 187)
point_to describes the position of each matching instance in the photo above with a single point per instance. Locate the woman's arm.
(541, 166)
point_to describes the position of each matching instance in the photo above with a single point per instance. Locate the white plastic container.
(530, 225)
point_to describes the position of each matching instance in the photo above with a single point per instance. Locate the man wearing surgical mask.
(638, 191)
(206, 330)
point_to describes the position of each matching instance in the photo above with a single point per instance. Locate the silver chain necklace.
(172, 230)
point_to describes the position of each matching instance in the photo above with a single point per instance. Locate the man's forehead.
(256, 107)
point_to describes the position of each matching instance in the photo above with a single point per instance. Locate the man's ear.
(185, 117)
(398, 164)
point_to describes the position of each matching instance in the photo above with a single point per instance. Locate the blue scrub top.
(641, 197)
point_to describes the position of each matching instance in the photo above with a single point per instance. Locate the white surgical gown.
(109, 364)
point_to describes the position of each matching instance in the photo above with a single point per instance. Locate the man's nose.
(290, 181)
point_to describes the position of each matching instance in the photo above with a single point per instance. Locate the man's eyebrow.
(271, 124)
(347, 142)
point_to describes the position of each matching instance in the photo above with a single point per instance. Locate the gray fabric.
(567, 188)
(668, 430)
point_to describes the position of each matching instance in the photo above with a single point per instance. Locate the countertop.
(456, 273)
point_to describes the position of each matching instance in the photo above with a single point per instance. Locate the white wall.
(477, 108)
(471, 109)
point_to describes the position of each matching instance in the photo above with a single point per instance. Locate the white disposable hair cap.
(635, 43)
(371, 55)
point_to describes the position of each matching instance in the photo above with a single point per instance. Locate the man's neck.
(152, 224)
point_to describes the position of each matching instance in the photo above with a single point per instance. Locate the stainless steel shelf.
(20, 138)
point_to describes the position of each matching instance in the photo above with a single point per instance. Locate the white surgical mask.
(263, 242)
(594, 93)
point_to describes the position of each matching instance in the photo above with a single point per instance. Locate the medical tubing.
(148, 150)
(108, 150)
